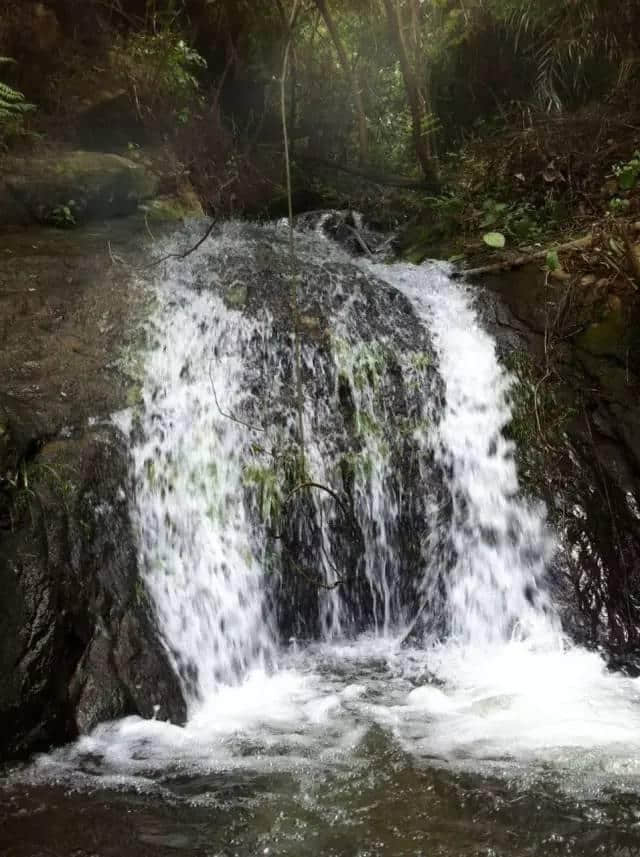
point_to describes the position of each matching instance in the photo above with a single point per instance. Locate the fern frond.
(12, 102)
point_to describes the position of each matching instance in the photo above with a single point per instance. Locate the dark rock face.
(77, 639)
(369, 367)
(78, 644)
(583, 458)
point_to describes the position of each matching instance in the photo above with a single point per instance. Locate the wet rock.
(72, 187)
(366, 364)
(345, 227)
(78, 644)
(578, 446)
(174, 209)
(20, 431)
(236, 296)
(77, 639)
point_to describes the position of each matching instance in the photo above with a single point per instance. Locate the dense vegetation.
(389, 85)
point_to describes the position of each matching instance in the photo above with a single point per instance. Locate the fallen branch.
(314, 581)
(521, 261)
(186, 253)
(370, 175)
(304, 485)
(363, 244)
(227, 414)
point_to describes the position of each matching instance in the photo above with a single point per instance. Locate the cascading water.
(196, 550)
(500, 542)
(424, 583)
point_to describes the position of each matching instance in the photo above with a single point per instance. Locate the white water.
(504, 692)
(501, 543)
(196, 550)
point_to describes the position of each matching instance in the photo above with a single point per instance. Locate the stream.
(388, 674)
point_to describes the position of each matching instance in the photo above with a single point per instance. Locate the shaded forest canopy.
(385, 88)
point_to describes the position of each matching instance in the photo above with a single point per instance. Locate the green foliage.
(517, 218)
(62, 215)
(161, 73)
(13, 109)
(553, 261)
(627, 174)
(13, 104)
(265, 481)
(494, 239)
(619, 206)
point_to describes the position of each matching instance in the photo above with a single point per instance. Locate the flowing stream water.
(430, 705)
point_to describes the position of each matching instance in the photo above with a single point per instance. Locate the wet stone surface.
(577, 424)
(77, 642)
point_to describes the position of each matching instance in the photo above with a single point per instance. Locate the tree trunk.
(415, 96)
(352, 78)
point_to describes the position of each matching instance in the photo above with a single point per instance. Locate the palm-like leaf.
(12, 102)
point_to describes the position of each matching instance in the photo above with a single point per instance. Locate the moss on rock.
(71, 188)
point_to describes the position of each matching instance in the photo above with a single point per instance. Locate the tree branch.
(372, 175)
(521, 261)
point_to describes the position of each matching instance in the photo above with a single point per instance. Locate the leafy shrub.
(519, 219)
(13, 109)
(160, 72)
(13, 104)
(627, 174)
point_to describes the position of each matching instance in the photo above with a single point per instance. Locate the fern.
(13, 104)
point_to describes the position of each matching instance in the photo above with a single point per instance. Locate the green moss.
(539, 415)
(366, 425)
(607, 338)
(356, 465)
(75, 186)
(266, 483)
(421, 361)
(370, 363)
(236, 296)
(363, 364)
(134, 395)
(407, 427)
(171, 209)
(433, 240)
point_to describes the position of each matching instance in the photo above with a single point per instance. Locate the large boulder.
(78, 643)
(64, 189)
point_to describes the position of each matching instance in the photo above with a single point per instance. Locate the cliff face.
(77, 644)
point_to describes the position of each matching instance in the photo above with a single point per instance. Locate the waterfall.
(197, 556)
(218, 412)
(495, 587)
(217, 381)
(407, 593)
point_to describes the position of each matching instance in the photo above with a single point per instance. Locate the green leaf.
(553, 260)
(628, 177)
(495, 240)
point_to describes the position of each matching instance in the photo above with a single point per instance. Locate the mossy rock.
(236, 296)
(609, 337)
(71, 188)
(172, 209)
